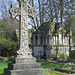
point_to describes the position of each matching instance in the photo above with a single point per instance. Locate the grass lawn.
(47, 65)
(51, 73)
(3, 64)
(43, 65)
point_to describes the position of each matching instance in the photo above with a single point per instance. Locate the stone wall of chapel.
(38, 51)
(62, 52)
(46, 40)
(60, 39)
(41, 39)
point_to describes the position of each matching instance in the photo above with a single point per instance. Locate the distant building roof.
(45, 27)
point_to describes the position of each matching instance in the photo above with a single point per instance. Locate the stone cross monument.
(24, 63)
(24, 11)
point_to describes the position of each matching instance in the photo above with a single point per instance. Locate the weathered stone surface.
(23, 66)
(24, 63)
(24, 10)
(26, 67)
(24, 60)
(37, 71)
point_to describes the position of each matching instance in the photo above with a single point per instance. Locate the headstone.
(24, 63)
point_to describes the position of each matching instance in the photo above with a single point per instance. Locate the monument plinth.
(24, 63)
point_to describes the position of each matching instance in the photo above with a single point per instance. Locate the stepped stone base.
(24, 66)
(37, 71)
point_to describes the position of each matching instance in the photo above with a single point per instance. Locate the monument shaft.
(24, 29)
(24, 35)
(24, 48)
(24, 63)
(24, 11)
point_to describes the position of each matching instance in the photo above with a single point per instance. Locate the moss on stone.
(58, 45)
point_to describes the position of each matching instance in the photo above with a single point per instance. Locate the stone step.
(18, 66)
(36, 71)
(24, 60)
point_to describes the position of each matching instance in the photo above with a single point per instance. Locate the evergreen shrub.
(72, 55)
(8, 47)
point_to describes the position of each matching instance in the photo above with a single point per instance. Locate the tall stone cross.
(23, 9)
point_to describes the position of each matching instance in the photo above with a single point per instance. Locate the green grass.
(46, 65)
(3, 64)
(51, 73)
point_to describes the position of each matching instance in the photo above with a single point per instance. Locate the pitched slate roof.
(46, 26)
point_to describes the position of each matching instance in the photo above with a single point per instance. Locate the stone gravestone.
(24, 63)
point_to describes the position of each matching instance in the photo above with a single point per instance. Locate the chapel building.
(51, 40)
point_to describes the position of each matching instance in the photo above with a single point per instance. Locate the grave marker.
(24, 63)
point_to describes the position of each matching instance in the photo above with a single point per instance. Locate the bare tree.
(6, 22)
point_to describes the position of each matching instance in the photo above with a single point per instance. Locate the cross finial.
(15, 10)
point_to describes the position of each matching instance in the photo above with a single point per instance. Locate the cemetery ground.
(48, 65)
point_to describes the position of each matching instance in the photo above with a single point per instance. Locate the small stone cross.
(23, 9)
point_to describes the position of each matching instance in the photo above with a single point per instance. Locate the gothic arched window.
(44, 40)
(32, 40)
(41, 40)
(36, 39)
